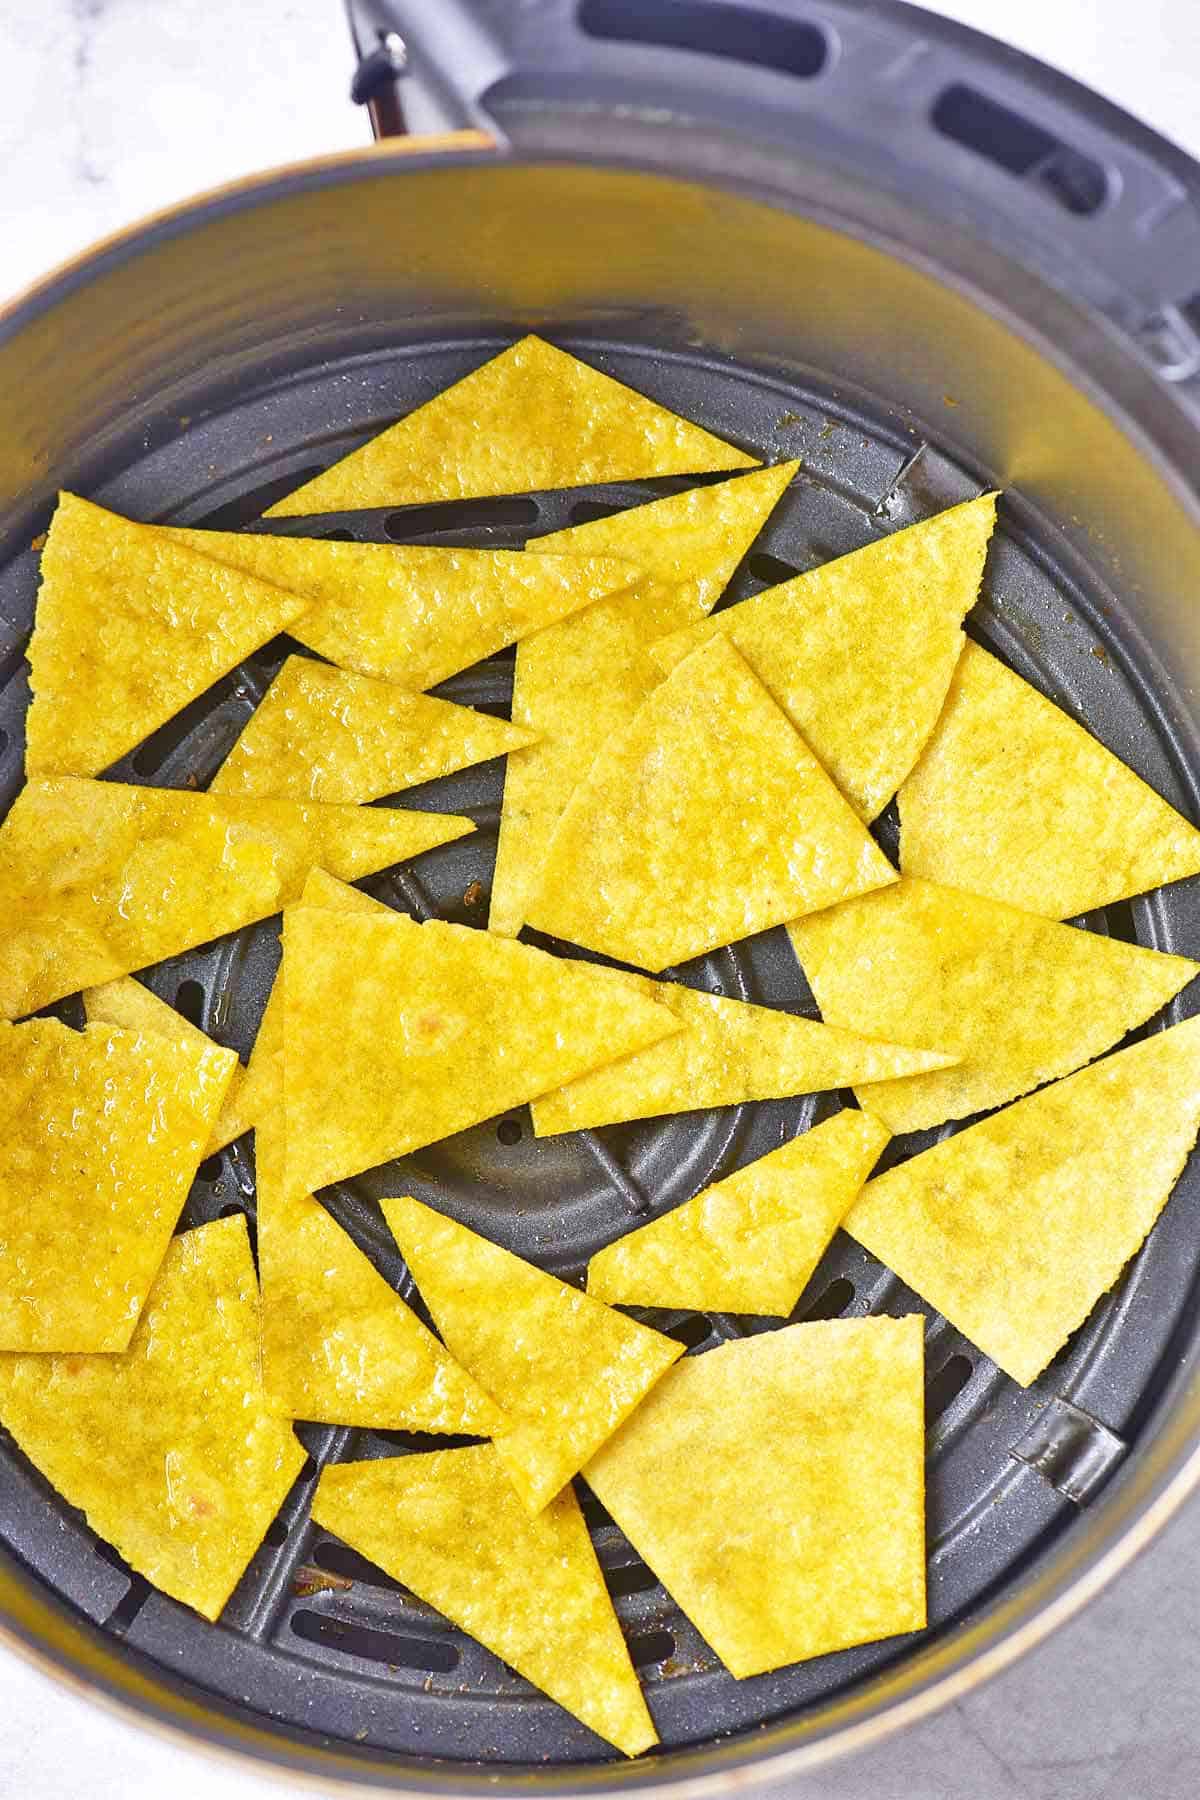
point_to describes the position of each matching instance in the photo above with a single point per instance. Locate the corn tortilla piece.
(1013, 799)
(533, 417)
(566, 1369)
(707, 820)
(776, 1488)
(326, 734)
(1018, 999)
(98, 879)
(750, 1243)
(167, 1447)
(1016, 1226)
(103, 1131)
(129, 628)
(859, 652)
(449, 1027)
(414, 614)
(578, 683)
(449, 1526)
(125, 1002)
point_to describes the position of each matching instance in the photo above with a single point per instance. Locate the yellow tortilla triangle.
(566, 1369)
(729, 1051)
(325, 734)
(414, 614)
(449, 1027)
(1016, 1226)
(167, 1447)
(128, 630)
(448, 1526)
(578, 683)
(1018, 999)
(125, 1002)
(859, 653)
(533, 417)
(101, 1134)
(776, 1488)
(1014, 799)
(97, 879)
(750, 1243)
(707, 820)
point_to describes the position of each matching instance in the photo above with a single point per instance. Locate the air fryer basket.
(779, 282)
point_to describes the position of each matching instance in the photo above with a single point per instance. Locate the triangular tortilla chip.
(565, 1368)
(533, 417)
(415, 614)
(449, 1027)
(125, 1002)
(776, 1488)
(859, 652)
(448, 1526)
(1018, 999)
(324, 734)
(101, 1134)
(97, 879)
(167, 1447)
(578, 683)
(128, 630)
(730, 1051)
(707, 820)
(1013, 799)
(747, 1244)
(1016, 1226)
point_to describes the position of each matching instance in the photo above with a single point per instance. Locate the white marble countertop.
(109, 108)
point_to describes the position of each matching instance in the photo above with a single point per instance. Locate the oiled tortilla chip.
(707, 820)
(859, 652)
(101, 1133)
(579, 682)
(97, 879)
(1018, 999)
(167, 1446)
(729, 1051)
(129, 628)
(450, 1527)
(776, 1488)
(125, 1002)
(1016, 1226)
(449, 1026)
(747, 1244)
(1013, 799)
(532, 417)
(566, 1369)
(326, 734)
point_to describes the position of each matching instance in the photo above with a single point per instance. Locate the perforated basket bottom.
(366, 1663)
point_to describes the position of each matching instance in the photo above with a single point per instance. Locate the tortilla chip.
(415, 614)
(579, 683)
(566, 1369)
(1016, 1226)
(750, 1243)
(125, 1002)
(102, 1134)
(449, 1027)
(167, 1447)
(97, 879)
(533, 417)
(324, 734)
(1014, 800)
(128, 630)
(859, 653)
(729, 1052)
(707, 820)
(448, 1526)
(1018, 999)
(776, 1488)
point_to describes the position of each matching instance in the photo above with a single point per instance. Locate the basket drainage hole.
(692, 1331)
(947, 1385)
(651, 1647)
(374, 1646)
(211, 1169)
(770, 569)
(830, 1303)
(339, 1559)
(509, 1131)
(4, 742)
(276, 1534)
(459, 515)
(585, 511)
(189, 998)
(630, 1578)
